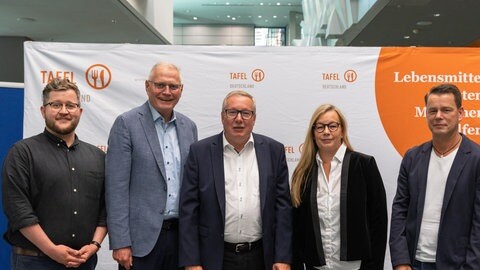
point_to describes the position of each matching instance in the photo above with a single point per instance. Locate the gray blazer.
(135, 187)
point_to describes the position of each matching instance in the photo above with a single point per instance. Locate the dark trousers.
(418, 265)
(164, 255)
(23, 262)
(249, 260)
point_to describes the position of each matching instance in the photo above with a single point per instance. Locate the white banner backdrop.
(288, 83)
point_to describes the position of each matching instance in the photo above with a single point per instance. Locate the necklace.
(442, 154)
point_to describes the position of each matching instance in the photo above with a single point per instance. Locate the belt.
(242, 247)
(27, 252)
(170, 224)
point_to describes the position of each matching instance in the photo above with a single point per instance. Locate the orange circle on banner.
(405, 75)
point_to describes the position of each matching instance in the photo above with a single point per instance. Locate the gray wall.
(234, 35)
(11, 57)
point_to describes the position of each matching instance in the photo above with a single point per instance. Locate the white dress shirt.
(243, 222)
(438, 170)
(328, 202)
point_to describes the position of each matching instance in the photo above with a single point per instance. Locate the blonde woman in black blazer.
(330, 170)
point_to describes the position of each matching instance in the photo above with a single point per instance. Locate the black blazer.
(363, 221)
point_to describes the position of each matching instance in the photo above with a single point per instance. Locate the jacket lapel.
(216, 152)
(343, 204)
(422, 171)
(263, 159)
(454, 174)
(146, 119)
(314, 212)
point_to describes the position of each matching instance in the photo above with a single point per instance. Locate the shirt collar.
(338, 155)
(54, 139)
(227, 144)
(156, 115)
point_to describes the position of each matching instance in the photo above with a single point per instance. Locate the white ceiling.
(263, 13)
(92, 21)
(115, 21)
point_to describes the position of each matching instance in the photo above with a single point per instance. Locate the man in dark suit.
(148, 146)
(235, 210)
(436, 211)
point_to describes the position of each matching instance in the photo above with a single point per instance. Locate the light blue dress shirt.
(167, 136)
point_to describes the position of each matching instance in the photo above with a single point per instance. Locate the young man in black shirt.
(53, 190)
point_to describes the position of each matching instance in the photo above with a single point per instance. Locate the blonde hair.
(301, 174)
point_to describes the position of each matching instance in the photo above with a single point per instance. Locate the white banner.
(288, 83)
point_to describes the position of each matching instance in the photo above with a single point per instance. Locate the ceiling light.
(406, 37)
(114, 21)
(25, 19)
(436, 15)
(233, 18)
(195, 18)
(274, 16)
(415, 31)
(227, 3)
(261, 4)
(259, 16)
(289, 4)
(424, 23)
(228, 16)
(278, 4)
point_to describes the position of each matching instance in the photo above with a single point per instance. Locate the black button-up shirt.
(58, 187)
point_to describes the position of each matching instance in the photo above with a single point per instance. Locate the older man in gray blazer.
(147, 149)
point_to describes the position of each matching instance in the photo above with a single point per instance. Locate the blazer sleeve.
(189, 242)
(117, 182)
(377, 216)
(472, 260)
(297, 239)
(399, 251)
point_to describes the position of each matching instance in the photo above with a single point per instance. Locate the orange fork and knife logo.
(98, 76)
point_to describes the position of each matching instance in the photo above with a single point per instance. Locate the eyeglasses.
(162, 86)
(319, 128)
(244, 114)
(57, 106)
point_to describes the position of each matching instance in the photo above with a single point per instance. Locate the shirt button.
(73, 235)
(168, 162)
(166, 146)
(74, 190)
(73, 169)
(74, 212)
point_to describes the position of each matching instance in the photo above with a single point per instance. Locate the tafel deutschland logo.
(98, 76)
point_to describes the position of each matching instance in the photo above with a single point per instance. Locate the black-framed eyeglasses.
(319, 128)
(232, 114)
(57, 106)
(162, 86)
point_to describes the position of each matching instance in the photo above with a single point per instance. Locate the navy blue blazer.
(459, 233)
(202, 203)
